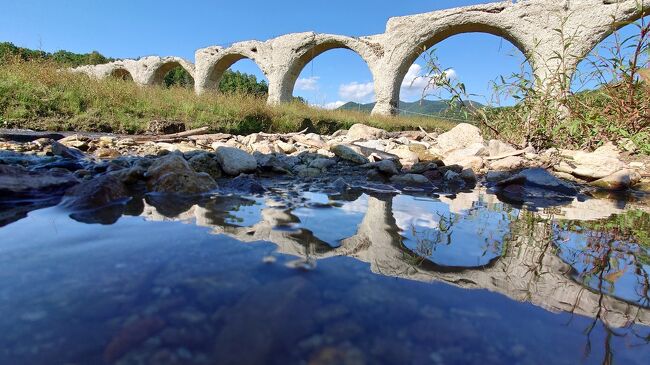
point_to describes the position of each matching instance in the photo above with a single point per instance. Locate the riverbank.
(99, 170)
(38, 95)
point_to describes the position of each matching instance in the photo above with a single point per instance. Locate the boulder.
(596, 165)
(362, 131)
(348, 153)
(459, 137)
(206, 162)
(234, 161)
(96, 193)
(620, 180)
(172, 174)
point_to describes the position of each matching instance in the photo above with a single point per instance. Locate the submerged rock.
(234, 161)
(536, 187)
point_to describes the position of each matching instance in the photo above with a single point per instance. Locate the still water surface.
(299, 277)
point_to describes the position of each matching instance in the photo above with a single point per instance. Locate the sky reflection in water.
(215, 283)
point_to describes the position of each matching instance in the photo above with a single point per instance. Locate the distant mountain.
(434, 108)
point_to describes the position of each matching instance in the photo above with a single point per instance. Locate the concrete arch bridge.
(553, 35)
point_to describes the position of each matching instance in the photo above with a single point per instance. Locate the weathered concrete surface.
(531, 25)
(144, 71)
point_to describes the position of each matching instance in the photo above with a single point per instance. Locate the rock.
(468, 175)
(621, 180)
(322, 163)
(96, 193)
(58, 149)
(265, 147)
(348, 153)
(497, 148)
(18, 182)
(76, 141)
(536, 187)
(107, 153)
(461, 136)
(278, 163)
(596, 165)
(387, 167)
(245, 184)
(234, 161)
(410, 180)
(172, 174)
(405, 155)
(165, 127)
(286, 147)
(205, 162)
(423, 153)
(310, 172)
(362, 131)
(496, 176)
(508, 163)
(476, 149)
(471, 162)
(541, 178)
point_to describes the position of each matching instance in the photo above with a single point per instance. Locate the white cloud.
(307, 83)
(417, 80)
(359, 92)
(332, 105)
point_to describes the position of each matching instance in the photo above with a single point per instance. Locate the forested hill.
(422, 107)
(65, 58)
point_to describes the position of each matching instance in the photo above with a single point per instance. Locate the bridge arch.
(314, 48)
(211, 64)
(121, 73)
(425, 41)
(159, 73)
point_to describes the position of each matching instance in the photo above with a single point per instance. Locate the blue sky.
(133, 28)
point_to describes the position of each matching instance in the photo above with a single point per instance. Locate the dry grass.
(37, 95)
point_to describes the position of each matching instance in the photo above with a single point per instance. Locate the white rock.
(362, 131)
(234, 161)
(459, 137)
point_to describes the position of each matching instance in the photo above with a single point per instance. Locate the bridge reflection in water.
(551, 259)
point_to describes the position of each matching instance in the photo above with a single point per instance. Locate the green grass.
(39, 95)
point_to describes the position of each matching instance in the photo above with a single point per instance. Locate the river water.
(305, 277)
